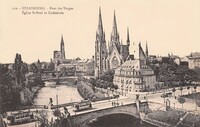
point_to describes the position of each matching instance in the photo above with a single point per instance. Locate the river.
(68, 93)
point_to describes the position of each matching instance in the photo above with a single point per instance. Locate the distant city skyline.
(169, 26)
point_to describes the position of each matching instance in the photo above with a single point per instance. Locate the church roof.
(129, 65)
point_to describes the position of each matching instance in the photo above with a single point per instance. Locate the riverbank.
(88, 93)
(27, 96)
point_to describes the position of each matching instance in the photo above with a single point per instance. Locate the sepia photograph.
(100, 63)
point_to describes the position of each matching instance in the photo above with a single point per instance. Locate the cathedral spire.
(114, 22)
(62, 41)
(115, 35)
(128, 39)
(147, 52)
(62, 48)
(100, 25)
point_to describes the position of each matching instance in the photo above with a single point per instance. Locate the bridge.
(57, 77)
(83, 118)
(60, 78)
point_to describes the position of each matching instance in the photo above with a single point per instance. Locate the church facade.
(113, 55)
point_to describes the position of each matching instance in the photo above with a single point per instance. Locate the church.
(116, 53)
(132, 72)
(60, 55)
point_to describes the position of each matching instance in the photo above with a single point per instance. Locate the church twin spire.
(100, 24)
(114, 34)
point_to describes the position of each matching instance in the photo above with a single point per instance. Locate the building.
(194, 60)
(135, 75)
(59, 55)
(85, 66)
(184, 61)
(116, 53)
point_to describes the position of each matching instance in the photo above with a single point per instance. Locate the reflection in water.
(66, 94)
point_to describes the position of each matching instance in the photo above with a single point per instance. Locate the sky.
(169, 26)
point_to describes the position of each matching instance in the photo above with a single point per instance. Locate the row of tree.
(181, 89)
(105, 81)
(174, 75)
(14, 78)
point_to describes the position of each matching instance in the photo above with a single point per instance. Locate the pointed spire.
(100, 25)
(147, 52)
(114, 22)
(128, 39)
(62, 48)
(115, 35)
(142, 55)
(62, 41)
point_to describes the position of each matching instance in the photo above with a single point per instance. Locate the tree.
(188, 88)
(195, 87)
(171, 72)
(57, 113)
(39, 66)
(101, 86)
(98, 82)
(92, 81)
(9, 89)
(181, 100)
(174, 90)
(106, 83)
(33, 68)
(19, 76)
(51, 66)
(116, 87)
(181, 89)
(111, 85)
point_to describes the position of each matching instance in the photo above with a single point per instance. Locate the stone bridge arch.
(81, 119)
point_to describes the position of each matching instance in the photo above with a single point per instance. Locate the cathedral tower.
(62, 48)
(100, 48)
(115, 35)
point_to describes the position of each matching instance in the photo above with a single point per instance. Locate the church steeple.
(62, 48)
(147, 52)
(100, 24)
(114, 24)
(62, 41)
(114, 34)
(100, 48)
(128, 39)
